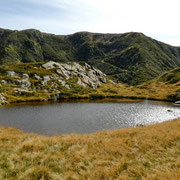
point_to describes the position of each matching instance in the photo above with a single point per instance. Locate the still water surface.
(85, 117)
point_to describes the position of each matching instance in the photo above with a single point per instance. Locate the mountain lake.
(85, 116)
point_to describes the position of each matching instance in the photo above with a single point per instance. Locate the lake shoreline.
(88, 98)
(85, 115)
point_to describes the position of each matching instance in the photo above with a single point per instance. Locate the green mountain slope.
(130, 57)
(164, 87)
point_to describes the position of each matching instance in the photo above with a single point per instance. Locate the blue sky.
(156, 18)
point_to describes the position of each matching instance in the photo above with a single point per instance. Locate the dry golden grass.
(154, 89)
(151, 152)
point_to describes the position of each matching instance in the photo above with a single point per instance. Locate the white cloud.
(152, 17)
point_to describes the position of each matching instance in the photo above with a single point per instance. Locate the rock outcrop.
(51, 79)
(86, 75)
(3, 99)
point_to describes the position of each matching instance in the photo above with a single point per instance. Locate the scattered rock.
(56, 91)
(23, 83)
(21, 91)
(25, 76)
(102, 79)
(3, 99)
(68, 67)
(59, 72)
(67, 86)
(51, 65)
(12, 74)
(85, 79)
(113, 82)
(81, 83)
(3, 82)
(93, 85)
(37, 77)
(62, 82)
(46, 79)
(92, 76)
(64, 73)
(67, 74)
(77, 67)
(46, 91)
(87, 66)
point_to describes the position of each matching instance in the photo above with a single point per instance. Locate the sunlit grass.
(151, 152)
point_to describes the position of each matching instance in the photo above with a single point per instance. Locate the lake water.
(85, 117)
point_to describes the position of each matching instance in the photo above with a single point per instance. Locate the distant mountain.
(130, 57)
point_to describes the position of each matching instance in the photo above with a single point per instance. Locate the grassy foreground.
(151, 152)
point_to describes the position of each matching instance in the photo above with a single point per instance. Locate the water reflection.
(86, 117)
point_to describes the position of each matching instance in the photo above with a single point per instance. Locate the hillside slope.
(166, 86)
(130, 57)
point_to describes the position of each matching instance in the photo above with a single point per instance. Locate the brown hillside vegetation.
(165, 87)
(151, 152)
(14, 88)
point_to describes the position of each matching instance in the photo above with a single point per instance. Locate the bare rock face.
(54, 80)
(81, 83)
(51, 65)
(86, 75)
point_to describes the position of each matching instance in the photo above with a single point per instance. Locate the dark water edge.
(90, 100)
(76, 100)
(84, 115)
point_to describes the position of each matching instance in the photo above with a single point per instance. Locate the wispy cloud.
(153, 18)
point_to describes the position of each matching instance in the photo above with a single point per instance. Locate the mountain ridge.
(132, 58)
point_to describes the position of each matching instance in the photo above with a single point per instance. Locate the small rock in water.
(177, 102)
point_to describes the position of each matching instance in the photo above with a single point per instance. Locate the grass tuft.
(149, 152)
